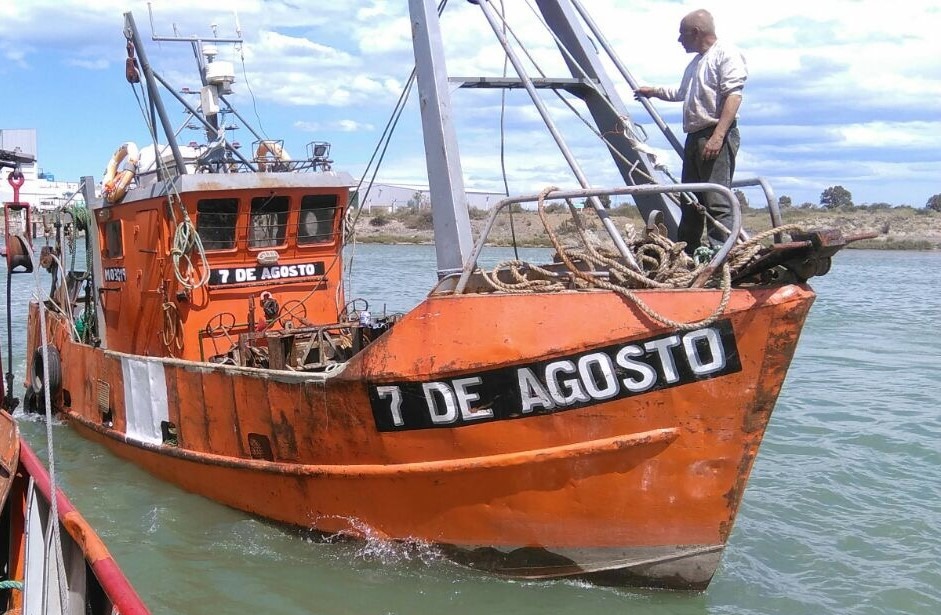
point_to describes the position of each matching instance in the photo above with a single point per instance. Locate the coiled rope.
(186, 241)
(171, 334)
(663, 264)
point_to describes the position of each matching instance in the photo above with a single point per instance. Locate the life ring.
(114, 184)
(54, 368)
(275, 149)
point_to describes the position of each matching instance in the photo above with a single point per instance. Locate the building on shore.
(40, 189)
(389, 198)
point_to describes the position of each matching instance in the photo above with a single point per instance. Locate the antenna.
(194, 39)
(150, 13)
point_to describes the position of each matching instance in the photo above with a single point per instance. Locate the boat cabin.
(269, 256)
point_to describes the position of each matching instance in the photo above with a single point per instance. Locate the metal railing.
(717, 260)
(773, 209)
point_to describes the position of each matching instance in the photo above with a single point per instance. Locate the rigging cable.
(570, 59)
(54, 535)
(386, 137)
(250, 92)
(186, 238)
(506, 185)
(380, 150)
(630, 135)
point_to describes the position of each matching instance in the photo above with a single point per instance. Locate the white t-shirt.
(709, 79)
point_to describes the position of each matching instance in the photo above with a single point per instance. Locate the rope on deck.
(664, 265)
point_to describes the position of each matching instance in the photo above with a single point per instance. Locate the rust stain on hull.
(611, 491)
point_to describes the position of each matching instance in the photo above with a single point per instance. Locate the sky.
(841, 92)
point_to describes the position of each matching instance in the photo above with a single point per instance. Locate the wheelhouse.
(270, 259)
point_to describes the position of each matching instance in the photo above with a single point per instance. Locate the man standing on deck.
(711, 91)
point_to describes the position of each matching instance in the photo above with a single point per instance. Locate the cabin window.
(215, 222)
(316, 221)
(114, 241)
(269, 221)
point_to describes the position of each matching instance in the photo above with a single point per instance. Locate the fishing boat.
(594, 417)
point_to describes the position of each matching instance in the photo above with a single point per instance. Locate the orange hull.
(482, 423)
(536, 420)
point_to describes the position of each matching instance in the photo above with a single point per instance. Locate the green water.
(842, 513)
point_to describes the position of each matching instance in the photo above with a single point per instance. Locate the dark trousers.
(717, 171)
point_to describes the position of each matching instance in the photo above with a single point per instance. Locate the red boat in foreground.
(38, 578)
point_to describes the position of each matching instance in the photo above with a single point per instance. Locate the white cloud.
(336, 126)
(840, 92)
(15, 56)
(353, 126)
(92, 64)
(914, 135)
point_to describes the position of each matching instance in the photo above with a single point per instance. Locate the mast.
(94, 204)
(556, 135)
(156, 101)
(606, 107)
(216, 77)
(453, 241)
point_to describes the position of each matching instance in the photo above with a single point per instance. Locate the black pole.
(9, 401)
(154, 93)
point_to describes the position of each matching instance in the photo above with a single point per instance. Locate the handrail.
(717, 260)
(773, 207)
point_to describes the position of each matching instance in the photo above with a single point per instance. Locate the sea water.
(842, 513)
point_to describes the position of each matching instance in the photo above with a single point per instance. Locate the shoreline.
(899, 228)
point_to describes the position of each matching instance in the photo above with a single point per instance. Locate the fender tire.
(32, 403)
(55, 372)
